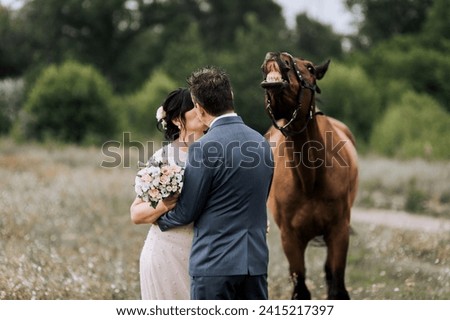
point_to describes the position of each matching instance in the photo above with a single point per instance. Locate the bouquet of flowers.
(158, 180)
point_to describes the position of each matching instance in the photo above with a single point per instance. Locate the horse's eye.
(311, 69)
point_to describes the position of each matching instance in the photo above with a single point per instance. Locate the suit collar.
(230, 114)
(225, 121)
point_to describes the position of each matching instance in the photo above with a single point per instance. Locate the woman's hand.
(168, 203)
(142, 212)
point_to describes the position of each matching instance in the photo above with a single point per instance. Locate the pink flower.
(166, 170)
(154, 193)
(164, 179)
(158, 180)
(146, 178)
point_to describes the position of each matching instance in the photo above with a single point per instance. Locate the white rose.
(160, 113)
(154, 171)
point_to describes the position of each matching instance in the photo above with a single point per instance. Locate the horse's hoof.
(341, 295)
(301, 295)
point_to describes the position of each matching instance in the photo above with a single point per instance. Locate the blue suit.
(227, 181)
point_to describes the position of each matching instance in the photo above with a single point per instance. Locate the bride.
(165, 256)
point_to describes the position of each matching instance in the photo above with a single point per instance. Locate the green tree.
(383, 19)
(221, 19)
(316, 41)
(137, 111)
(138, 59)
(426, 69)
(436, 30)
(416, 126)
(14, 50)
(11, 99)
(93, 32)
(71, 103)
(244, 68)
(349, 95)
(6, 65)
(179, 64)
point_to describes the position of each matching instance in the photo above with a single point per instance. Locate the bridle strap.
(303, 85)
(302, 81)
(284, 129)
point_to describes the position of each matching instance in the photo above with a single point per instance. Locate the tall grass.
(65, 227)
(382, 263)
(416, 186)
(65, 233)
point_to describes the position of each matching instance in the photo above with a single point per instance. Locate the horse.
(316, 170)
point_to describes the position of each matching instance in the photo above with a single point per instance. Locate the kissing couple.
(207, 242)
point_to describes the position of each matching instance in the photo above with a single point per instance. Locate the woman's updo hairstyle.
(177, 103)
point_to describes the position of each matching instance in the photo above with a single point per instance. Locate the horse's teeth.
(273, 77)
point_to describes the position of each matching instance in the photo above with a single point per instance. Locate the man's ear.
(200, 110)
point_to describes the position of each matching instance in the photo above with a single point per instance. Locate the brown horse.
(316, 170)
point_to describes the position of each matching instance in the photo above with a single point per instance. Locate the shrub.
(69, 103)
(11, 96)
(404, 58)
(350, 96)
(416, 126)
(415, 198)
(138, 110)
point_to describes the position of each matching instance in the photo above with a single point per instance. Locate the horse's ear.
(321, 69)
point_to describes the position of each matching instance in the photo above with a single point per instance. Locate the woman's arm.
(198, 177)
(142, 212)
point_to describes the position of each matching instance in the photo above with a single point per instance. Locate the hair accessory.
(161, 117)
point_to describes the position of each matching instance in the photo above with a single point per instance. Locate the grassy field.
(65, 231)
(383, 263)
(416, 186)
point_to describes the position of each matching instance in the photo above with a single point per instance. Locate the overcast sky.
(332, 12)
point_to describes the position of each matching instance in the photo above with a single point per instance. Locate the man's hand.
(168, 203)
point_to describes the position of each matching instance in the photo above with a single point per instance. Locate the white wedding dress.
(165, 256)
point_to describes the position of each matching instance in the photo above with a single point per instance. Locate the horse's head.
(290, 84)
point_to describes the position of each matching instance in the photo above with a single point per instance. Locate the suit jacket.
(227, 180)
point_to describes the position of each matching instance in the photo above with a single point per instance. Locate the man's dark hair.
(211, 88)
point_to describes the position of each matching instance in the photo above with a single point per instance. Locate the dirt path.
(400, 220)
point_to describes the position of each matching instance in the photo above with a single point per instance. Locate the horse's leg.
(337, 246)
(295, 253)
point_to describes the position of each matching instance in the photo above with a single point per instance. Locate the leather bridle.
(303, 85)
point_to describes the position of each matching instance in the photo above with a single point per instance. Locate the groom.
(227, 181)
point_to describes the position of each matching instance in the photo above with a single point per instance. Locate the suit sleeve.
(197, 181)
